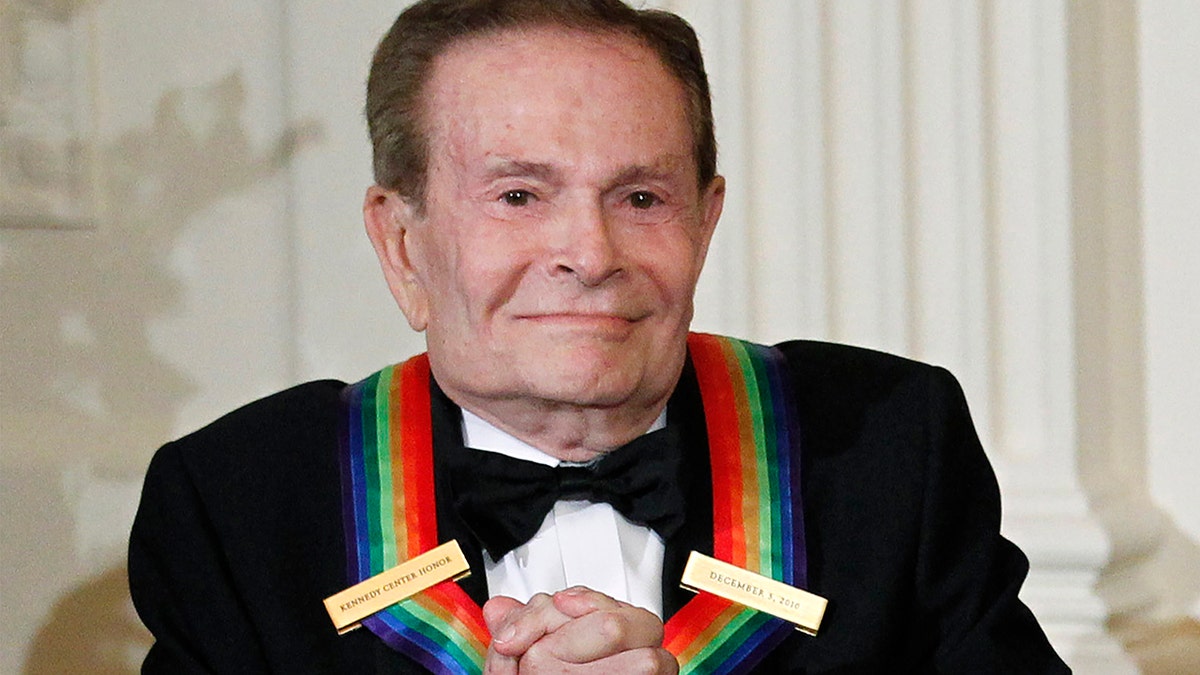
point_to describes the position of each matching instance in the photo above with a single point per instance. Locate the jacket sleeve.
(967, 575)
(180, 580)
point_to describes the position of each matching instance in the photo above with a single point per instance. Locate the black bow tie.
(504, 500)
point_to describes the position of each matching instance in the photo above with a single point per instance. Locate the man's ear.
(712, 202)
(390, 219)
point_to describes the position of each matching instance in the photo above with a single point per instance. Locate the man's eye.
(517, 198)
(642, 199)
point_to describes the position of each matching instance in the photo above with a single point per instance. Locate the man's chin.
(591, 376)
(584, 389)
(595, 399)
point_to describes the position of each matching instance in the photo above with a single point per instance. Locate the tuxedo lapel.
(447, 441)
(685, 412)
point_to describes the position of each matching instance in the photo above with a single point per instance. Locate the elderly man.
(546, 193)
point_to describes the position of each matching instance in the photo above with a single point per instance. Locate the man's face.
(563, 231)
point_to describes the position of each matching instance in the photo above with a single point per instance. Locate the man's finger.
(645, 661)
(496, 610)
(515, 628)
(495, 614)
(599, 634)
(499, 664)
(579, 600)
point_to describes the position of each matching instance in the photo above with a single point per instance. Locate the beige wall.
(1170, 154)
(1002, 187)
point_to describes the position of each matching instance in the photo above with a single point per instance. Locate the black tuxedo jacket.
(238, 537)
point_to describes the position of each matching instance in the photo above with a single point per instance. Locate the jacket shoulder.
(839, 375)
(815, 356)
(285, 422)
(239, 528)
(277, 446)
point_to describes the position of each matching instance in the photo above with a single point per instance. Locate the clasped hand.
(577, 630)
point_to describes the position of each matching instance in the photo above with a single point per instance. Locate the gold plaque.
(405, 580)
(755, 591)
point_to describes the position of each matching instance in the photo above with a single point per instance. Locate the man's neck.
(567, 432)
(479, 434)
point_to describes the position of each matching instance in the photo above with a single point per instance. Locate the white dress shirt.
(580, 543)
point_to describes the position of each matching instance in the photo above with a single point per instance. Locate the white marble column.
(900, 178)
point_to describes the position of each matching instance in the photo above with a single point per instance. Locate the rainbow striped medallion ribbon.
(758, 519)
(389, 516)
(389, 513)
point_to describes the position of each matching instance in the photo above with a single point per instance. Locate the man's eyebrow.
(657, 169)
(509, 168)
(664, 167)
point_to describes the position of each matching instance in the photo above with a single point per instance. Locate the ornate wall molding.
(47, 158)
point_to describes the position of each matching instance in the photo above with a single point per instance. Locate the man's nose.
(586, 247)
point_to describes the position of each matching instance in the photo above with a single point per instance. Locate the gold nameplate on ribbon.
(405, 580)
(755, 591)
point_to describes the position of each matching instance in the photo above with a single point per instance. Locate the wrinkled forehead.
(515, 69)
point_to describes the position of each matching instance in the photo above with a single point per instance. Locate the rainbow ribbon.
(389, 516)
(390, 513)
(758, 521)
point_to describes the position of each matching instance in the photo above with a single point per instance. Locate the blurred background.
(1003, 187)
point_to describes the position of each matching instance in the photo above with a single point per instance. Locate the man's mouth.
(588, 321)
